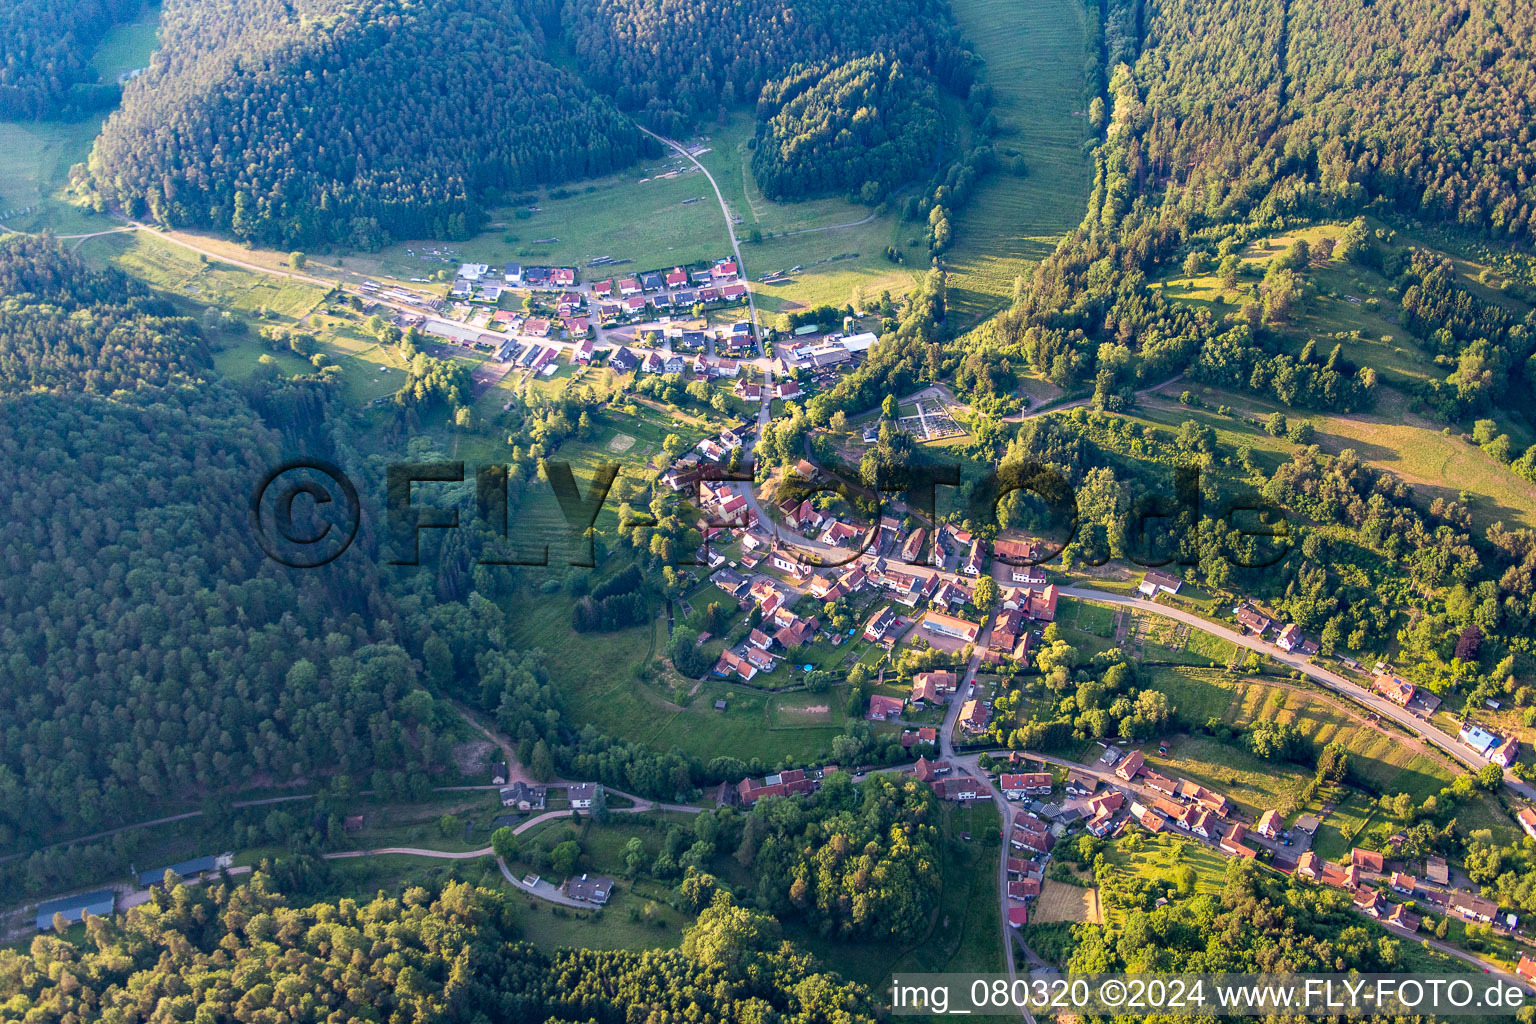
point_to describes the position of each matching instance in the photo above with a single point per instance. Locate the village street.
(1372, 701)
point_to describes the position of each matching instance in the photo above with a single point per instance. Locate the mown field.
(1034, 56)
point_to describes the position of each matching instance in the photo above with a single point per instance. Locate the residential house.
(757, 638)
(1405, 919)
(1101, 824)
(1023, 839)
(1130, 766)
(883, 708)
(1290, 638)
(912, 737)
(760, 659)
(1526, 968)
(1404, 883)
(1369, 902)
(971, 565)
(840, 533)
(1366, 860)
(1251, 619)
(913, 546)
(927, 771)
(1081, 783)
(730, 581)
(590, 889)
(806, 516)
(1148, 818)
(960, 788)
(1310, 865)
(1204, 824)
(1473, 908)
(1478, 738)
(1505, 753)
(730, 663)
(1269, 824)
(582, 794)
(1008, 629)
(676, 277)
(623, 360)
(879, 624)
(522, 797)
(795, 781)
(934, 686)
(1017, 787)
(1393, 687)
(629, 286)
(500, 774)
(1023, 888)
(1435, 870)
(1155, 582)
(975, 717)
(1232, 842)
(1527, 819)
(794, 634)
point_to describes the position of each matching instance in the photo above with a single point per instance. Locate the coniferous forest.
(152, 650)
(319, 122)
(863, 128)
(45, 46)
(324, 122)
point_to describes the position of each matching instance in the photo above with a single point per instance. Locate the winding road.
(730, 230)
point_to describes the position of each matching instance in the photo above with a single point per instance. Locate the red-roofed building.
(1393, 687)
(1366, 860)
(1016, 787)
(1130, 765)
(883, 708)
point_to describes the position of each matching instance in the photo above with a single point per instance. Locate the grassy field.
(1159, 857)
(1252, 783)
(1034, 55)
(1389, 437)
(127, 47)
(1060, 901)
(598, 679)
(35, 156)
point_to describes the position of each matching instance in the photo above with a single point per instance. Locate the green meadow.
(1034, 56)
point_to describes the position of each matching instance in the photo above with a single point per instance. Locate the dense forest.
(219, 953)
(320, 122)
(673, 61)
(854, 862)
(45, 51)
(152, 651)
(862, 128)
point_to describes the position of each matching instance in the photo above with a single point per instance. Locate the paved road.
(1372, 701)
(730, 227)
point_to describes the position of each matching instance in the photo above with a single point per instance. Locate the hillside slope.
(322, 121)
